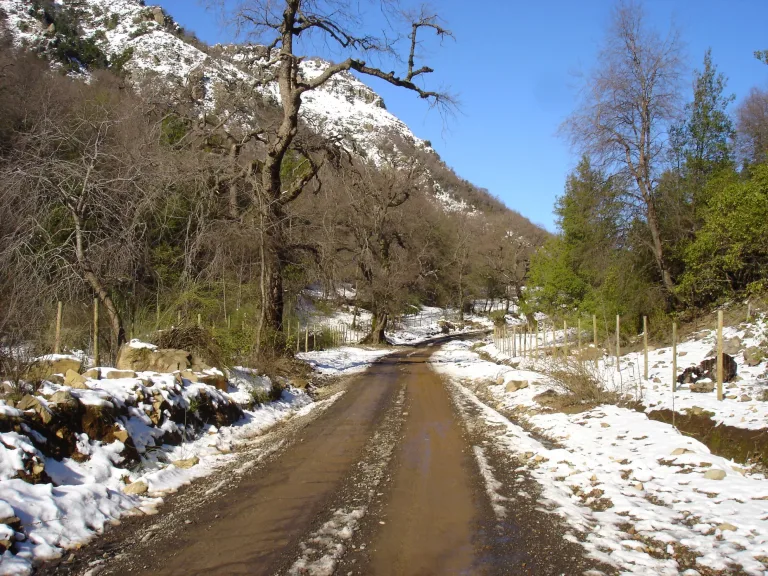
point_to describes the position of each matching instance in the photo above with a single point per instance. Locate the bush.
(580, 383)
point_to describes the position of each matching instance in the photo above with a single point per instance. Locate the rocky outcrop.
(707, 370)
(145, 359)
(45, 367)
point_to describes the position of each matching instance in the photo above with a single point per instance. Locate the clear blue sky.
(513, 66)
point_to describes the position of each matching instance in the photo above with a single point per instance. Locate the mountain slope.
(148, 44)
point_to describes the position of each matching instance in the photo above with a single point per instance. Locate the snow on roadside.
(427, 325)
(637, 493)
(87, 491)
(342, 361)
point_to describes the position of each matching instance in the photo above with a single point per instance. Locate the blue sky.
(514, 67)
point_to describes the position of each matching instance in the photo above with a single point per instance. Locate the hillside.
(144, 44)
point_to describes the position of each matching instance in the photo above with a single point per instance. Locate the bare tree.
(281, 26)
(628, 104)
(77, 185)
(752, 126)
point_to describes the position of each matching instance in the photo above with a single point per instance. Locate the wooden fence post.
(565, 339)
(720, 355)
(306, 338)
(618, 343)
(578, 343)
(674, 356)
(199, 320)
(96, 358)
(536, 341)
(645, 347)
(57, 338)
(594, 330)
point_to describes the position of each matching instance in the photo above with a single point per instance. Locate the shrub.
(580, 383)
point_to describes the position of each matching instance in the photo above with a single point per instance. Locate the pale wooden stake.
(749, 311)
(178, 317)
(96, 359)
(594, 330)
(719, 354)
(306, 338)
(57, 339)
(578, 343)
(565, 338)
(618, 342)
(298, 336)
(645, 347)
(199, 319)
(674, 356)
(536, 342)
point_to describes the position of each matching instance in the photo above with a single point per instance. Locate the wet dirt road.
(383, 482)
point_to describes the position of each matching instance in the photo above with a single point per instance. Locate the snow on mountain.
(344, 108)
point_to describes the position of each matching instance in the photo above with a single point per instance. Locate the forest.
(119, 189)
(666, 213)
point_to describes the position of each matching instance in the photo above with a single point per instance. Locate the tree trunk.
(115, 320)
(658, 249)
(378, 327)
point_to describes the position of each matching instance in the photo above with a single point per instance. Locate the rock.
(703, 387)
(679, 451)
(708, 368)
(113, 374)
(745, 398)
(188, 463)
(189, 375)
(136, 488)
(155, 360)
(732, 346)
(697, 410)
(64, 398)
(539, 458)
(515, 385)
(604, 425)
(726, 526)
(93, 373)
(500, 380)
(28, 402)
(714, 474)
(75, 380)
(158, 15)
(97, 422)
(753, 356)
(689, 375)
(656, 381)
(681, 354)
(639, 486)
(121, 435)
(43, 369)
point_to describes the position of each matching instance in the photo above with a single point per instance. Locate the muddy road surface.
(391, 479)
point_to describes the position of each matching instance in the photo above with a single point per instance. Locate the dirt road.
(385, 481)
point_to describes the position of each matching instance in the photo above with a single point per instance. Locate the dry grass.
(579, 383)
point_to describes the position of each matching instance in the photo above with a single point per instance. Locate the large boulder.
(515, 385)
(49, 365)
(753, 356)
(152, 359)
(708, 370)
(732, 346)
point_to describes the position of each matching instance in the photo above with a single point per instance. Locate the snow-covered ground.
(427, 325)
(95, 487)
(342, 361)
(637, 493)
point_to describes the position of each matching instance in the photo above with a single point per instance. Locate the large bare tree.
(628, 104)
(284, 28)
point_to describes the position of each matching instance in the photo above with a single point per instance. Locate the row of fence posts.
(524, 342)
(339, 334)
